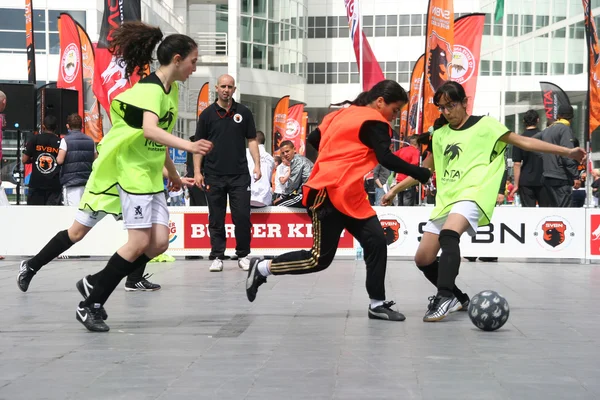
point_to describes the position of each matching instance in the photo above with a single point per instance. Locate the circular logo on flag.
(463, 64)
(69, 66)
(292, 128)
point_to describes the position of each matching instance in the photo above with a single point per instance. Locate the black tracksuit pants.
(328, 224)
(218, 187)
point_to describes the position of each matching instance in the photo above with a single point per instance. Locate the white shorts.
(143, 210)
(467, 209)
(89, 218)
(72, 195)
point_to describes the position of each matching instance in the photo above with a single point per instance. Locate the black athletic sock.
(107, 280)
(136, 275)
(140, 261)
(449, 262)
(55, 247)
(431, 273)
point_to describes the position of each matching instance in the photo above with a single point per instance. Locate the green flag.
(499, 12)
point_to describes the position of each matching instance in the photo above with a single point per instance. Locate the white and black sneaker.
(385, 312)
(438, 308)
(455, 305)
(143, 284)
(84, 288)
(254, 279)
(90, 318)
(24, 276)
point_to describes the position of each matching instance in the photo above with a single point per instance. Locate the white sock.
(263, 267)
(376, 303)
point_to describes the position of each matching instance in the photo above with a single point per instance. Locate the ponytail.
(134, 42)
(391, 91)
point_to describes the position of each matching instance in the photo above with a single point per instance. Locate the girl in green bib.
(127, 177)
(467, 153)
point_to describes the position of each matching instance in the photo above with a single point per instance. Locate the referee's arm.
(200, 134)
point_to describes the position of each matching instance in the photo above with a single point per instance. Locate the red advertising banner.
(70, 74)
(280, 123)
(468, 31)
(593, 69)
(439, 45)
(415, 111)
(92, 120)
(293, 131)
(371, 71)
(269, 231)
(29, 41)
(202, 101)
(110, 77)
(403, 120)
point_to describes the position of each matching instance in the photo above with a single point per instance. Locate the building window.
(245, 55)
(526, 24)
(511, 68)
(496, 68)
(485, 68)
(525, 68)
(541, 68)
(575, 69)
(558, 68)
(512, 22)
(577, 31)
(559, 33)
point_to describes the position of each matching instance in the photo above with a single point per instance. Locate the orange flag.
(280, 122)
(593, 69)
(439, 46)
(202, 102)
(415, 107)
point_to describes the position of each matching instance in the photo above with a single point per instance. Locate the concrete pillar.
(233, 44)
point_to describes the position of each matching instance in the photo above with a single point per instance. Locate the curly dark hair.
(134, 42)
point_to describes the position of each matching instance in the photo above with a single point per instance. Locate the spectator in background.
(370, 187)
(411, 155)
(261, 194)
(76, 155)
(3, 199)
(282, 174)
(300, 169)
(559, 172)
(528, 167)
(380, 177)
(41, 151)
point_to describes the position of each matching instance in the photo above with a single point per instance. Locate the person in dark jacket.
(559, 172)
(76, 154)
(528, 168)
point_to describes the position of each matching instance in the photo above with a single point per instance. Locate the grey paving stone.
(305, 337)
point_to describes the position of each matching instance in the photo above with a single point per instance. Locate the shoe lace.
(96, 314)
(388, 304)
(433, 302)
(145, 278)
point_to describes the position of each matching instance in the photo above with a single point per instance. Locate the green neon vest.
(469, 165)
(125, 157)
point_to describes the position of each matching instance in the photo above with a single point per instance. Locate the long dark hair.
(391, 91)
(134, 42)
(452, 90)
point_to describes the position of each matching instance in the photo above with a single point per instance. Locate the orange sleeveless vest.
(344, 160)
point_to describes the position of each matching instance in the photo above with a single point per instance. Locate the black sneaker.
(385, 312)
(25, 276)
(464, 301)
(438, 308)
(143, 284)
(84, 287)
(254, 280)
(90, 318)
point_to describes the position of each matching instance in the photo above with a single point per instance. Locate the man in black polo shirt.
(227, 124)
(41, 151)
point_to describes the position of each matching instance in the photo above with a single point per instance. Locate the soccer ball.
(488, 310)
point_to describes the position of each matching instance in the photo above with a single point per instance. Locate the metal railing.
(211, 43)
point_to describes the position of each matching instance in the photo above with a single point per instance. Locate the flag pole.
(589, 163)
(360, 46)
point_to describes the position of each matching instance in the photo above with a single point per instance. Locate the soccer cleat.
(244, 263)
(385, 312)
(24, 276)
(438, 308)
(216, 266)
(142, 285)
(90, 318)
(84, 288)
(254, 280)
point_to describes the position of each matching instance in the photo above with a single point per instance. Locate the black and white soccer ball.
(488, 310)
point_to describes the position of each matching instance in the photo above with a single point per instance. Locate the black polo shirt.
(228, 131)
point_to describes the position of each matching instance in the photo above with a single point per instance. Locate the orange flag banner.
(280, 116)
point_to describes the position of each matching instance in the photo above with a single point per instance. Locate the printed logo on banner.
(554, 233)
(394, 229)
(70, 63)
(595, 235)
(172, 231)
(463, 64)
(292, 128)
